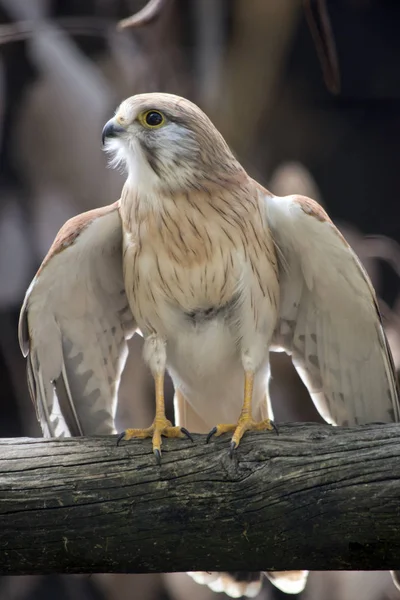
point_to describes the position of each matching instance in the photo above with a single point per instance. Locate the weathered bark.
(314, 497)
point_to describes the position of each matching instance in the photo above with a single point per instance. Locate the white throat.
(129, 156)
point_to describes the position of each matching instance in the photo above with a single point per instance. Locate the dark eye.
(154, 118)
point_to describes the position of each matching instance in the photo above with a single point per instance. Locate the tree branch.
(314, 497)
(149, 13)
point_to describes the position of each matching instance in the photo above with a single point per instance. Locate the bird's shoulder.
(306, 205)
(56, 276)
(73, 228)
(311, 208)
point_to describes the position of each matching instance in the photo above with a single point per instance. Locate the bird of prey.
(215, 271)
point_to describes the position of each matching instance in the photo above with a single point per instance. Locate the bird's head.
(167, 142)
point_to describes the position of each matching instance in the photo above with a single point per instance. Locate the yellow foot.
(244, 424)
(160, 427)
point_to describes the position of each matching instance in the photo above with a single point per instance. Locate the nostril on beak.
(111, 129)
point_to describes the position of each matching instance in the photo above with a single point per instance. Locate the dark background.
(256, 67)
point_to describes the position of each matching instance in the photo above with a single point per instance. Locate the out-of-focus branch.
(87, 26)
(149, 13)
(313, 497)
(254, 65)
(318, 20)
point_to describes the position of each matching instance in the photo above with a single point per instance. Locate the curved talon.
(120, 437)
(157, 454)
(232, 449)
(186, 432)
(161, 427)
(245, 423)
(212, 432)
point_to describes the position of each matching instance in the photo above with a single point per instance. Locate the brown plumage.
(201, 271)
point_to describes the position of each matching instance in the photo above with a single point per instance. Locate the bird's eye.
(152, 119)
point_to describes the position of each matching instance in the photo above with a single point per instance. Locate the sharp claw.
(185, 431)
(275, 428)
(120, 437)
(212, 432)
(157, 454)
(232, 449)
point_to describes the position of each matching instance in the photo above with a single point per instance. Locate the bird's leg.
(155, 355)
(245, 422)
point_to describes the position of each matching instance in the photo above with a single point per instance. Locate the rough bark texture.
(314, 497)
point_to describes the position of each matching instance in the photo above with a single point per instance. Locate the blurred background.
(307, 93)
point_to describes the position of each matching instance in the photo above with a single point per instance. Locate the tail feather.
(289, 582)
(234, 585)
(248, 584)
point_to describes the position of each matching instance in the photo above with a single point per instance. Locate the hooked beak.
(111, 129)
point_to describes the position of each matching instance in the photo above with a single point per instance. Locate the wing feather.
(74, 324)
(329, 321)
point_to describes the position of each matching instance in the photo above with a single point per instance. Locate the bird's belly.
(160, 290)
(197, 351)
(205, 364)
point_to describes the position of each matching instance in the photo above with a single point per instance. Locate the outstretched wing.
(74, 324)
(329, 321)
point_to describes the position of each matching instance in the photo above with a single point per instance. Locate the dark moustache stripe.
(151, 157)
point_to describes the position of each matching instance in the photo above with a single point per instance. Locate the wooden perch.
(314, 497)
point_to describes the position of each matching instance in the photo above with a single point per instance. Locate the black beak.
(111, 129)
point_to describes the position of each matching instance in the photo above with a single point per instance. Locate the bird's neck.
(200, 214)
(139, 203)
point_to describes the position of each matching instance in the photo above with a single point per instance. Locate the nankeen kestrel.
(215, 271)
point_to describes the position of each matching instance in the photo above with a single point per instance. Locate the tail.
(234, 585)
(249, 584)
(289, 582)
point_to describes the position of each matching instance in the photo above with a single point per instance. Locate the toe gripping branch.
(245, 422)
(161, 425)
